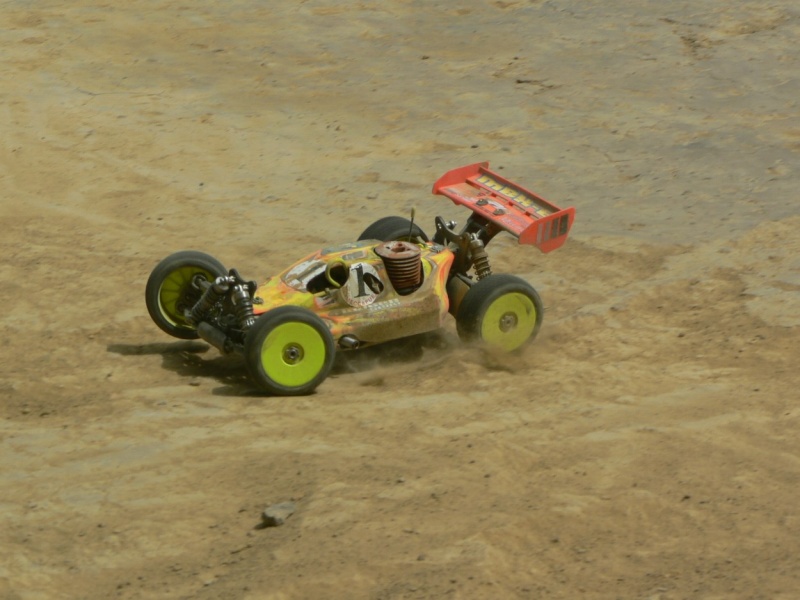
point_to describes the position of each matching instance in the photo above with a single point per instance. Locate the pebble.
(277, 514)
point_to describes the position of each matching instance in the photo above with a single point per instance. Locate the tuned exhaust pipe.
(214, 336)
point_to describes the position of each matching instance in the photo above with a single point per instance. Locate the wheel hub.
(508, 322)
(292, 354)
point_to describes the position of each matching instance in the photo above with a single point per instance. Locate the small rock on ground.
(277, 514)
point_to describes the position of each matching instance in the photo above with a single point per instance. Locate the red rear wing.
(528, 217)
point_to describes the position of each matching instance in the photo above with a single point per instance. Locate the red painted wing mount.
(528, 217)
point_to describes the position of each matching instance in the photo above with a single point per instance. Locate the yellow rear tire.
(502, 311)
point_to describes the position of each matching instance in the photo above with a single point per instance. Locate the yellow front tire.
(289, 351)
(172, 289)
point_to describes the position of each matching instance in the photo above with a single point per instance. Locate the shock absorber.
(243, 306)
(480, 259)
(211, 296)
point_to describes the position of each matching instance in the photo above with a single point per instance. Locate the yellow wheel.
(501, 310)
(289, 351)
(174, 287)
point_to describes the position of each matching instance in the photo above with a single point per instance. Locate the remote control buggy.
(393, 282)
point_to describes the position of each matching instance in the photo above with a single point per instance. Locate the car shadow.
(187, 359)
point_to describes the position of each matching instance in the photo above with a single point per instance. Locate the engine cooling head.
(403, 261)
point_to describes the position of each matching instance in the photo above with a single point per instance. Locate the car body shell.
(365, 305)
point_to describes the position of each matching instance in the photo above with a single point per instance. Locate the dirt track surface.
(645, 446)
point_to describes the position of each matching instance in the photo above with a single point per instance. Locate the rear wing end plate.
(525, 215)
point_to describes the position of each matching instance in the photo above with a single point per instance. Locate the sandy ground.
(645, 446)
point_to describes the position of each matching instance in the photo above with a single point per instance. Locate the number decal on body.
(363, 285)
